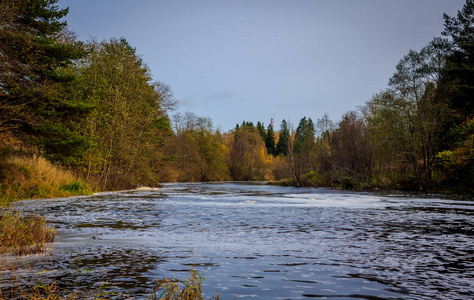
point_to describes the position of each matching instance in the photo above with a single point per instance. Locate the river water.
(258, 241)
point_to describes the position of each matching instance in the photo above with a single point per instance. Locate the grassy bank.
(31, 177)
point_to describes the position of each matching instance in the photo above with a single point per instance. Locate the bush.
(313, 179)
(350, 183)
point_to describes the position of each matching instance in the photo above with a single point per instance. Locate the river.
(258, 241)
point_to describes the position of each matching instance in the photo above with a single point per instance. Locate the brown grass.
(30, 177)
(21, 235)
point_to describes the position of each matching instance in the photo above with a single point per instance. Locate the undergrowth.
(33, 177)
(21, 235)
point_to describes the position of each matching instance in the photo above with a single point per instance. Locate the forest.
(91, 111)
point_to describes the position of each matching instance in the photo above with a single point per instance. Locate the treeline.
(417, 134)
(93, 108)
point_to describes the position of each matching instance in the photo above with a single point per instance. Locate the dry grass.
(174, 289)
(29, 177)
(21, 235)
(166, 289)
(44, 170)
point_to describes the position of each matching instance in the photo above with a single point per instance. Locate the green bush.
(313, 179)
(73, 187)
(350, 183)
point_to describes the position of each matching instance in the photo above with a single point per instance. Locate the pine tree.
(35, 82)
(261, 130)
(282, 145)
(270, 140)
(460, 64)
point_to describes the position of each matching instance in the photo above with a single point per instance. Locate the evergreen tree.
(457, 161)
(460, 64)
(261, 130)
(282, 145)
(304, 134)
(270, 140)
(35, 82)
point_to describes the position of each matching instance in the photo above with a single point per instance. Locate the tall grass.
(29, 177)
(174, 289)
(21, 235)
(41, 288)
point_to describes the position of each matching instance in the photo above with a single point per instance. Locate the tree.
(282, 144)
(304, 146)
(35, 79)
(457, 159)
(351, 148)
(460, 66)
(270, 140)
(261, 130)
(128, 125)
(324, 150)
(200, 152)
(248, 157)
(414, 87)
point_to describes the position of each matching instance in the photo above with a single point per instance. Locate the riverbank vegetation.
(22, 235)
(93, 111)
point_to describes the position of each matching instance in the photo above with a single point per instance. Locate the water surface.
(265, 242)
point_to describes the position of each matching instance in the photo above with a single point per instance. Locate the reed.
(174, 289)
(23, 234)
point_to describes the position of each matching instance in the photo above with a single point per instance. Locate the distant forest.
(92, 107)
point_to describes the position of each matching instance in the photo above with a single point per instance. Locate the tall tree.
(248, 159)
(270, 140)
(129, 123)
(35, 81)
(457, 159)
(460, 67)
(282, 144)
(199, 150)
(414, 86)
(261, 130)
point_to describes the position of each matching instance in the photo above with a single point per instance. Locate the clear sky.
(259, 59)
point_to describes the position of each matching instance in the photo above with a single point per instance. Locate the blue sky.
(255, 60)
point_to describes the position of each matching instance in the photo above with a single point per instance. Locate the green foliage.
(261, 130)
(282, 144)
(128, 126)
(460, 66)
(74, 187)
(314, 179)
(350, 183)
(270, 140)
(35, 83)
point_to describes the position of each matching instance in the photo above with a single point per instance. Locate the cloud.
(184, 101)
(221, 96)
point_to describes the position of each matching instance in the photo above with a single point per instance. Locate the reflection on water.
(263, 241)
